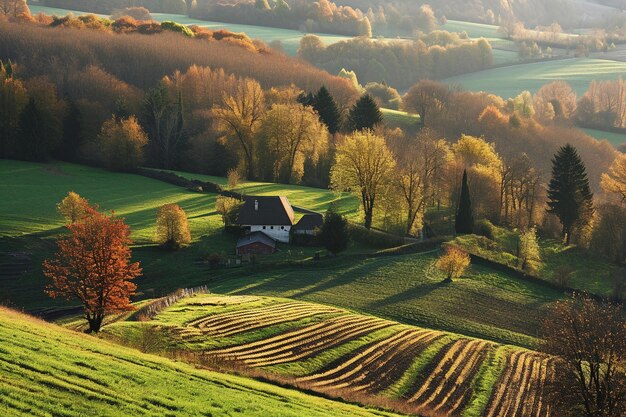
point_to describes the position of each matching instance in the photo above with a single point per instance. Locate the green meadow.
(46, 370)
(509, 81)
(485, 303)
(616, 139)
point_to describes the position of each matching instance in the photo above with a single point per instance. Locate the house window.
(282, 227)
(263, 227)
(272, 227)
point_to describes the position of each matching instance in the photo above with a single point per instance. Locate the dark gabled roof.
(271, 211)
(309, 222)
(256, 237)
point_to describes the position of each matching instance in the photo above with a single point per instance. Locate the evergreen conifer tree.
(32, 133)
(464, 223)
(72, 134)
(334, 233)
(365, 114)
(327, 109)
(569, 194)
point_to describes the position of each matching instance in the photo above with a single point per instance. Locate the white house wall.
(275, 232)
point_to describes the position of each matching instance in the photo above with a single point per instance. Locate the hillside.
(350, 356)
(47, 370)
(29, 222)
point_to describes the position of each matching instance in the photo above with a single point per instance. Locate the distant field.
(511, 80)
(474, 30)
(290, 39)
(616, 139)
(405, 121)
(49, 371)
(356, 357)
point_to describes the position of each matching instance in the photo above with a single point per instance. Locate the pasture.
(407, 288)
(29, 222)
(351, 356)
(46, 370)
(509, 81)
(616, 139)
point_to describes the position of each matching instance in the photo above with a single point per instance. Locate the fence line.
(152, 309)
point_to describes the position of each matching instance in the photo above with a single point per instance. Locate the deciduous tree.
(93, 265)
(73, 207)
(614, 181)
(122, 142)
(453, 262)
(228, 208)
(589, 340)
(529, 253)
(172, 227)
(239, 118)
(365, 166)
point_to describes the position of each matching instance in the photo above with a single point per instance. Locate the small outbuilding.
(309, 224)
(256, 243)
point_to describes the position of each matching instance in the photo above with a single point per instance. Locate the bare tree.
(589, 339)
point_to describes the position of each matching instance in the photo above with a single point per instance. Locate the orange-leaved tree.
(93, 265)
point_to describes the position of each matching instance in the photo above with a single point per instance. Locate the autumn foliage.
(93, 265)
(73, 207)
(453, 263)
(172, 227)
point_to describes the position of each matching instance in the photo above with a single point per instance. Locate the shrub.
(228, 208)
(122, 142)
(215, 259)
(562, 275)
(177, 27)
(234, 178)
(484, 228)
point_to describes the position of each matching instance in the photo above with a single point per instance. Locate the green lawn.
(616, 139)
(408, 289)
(510, 81)
(49, 371)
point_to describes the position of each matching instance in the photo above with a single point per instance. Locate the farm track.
(228, 324)
(515, 394)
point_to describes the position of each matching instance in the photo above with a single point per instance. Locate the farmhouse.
(272, 216)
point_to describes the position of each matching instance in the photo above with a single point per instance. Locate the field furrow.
(302, 343)
(519, 392)
(228, 324)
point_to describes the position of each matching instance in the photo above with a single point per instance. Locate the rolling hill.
(355, 357)
(46, 370)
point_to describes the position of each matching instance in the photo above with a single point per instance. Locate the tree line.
(399, 63)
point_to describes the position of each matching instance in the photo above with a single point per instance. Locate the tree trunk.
(95, 323)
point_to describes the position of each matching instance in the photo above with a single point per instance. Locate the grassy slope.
(46, 370)
(510, 81)
(408, 289)
(29, 221)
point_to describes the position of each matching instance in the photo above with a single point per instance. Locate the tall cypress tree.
(569, 195)
(365, 114)
(326, 107)
(464, 222)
